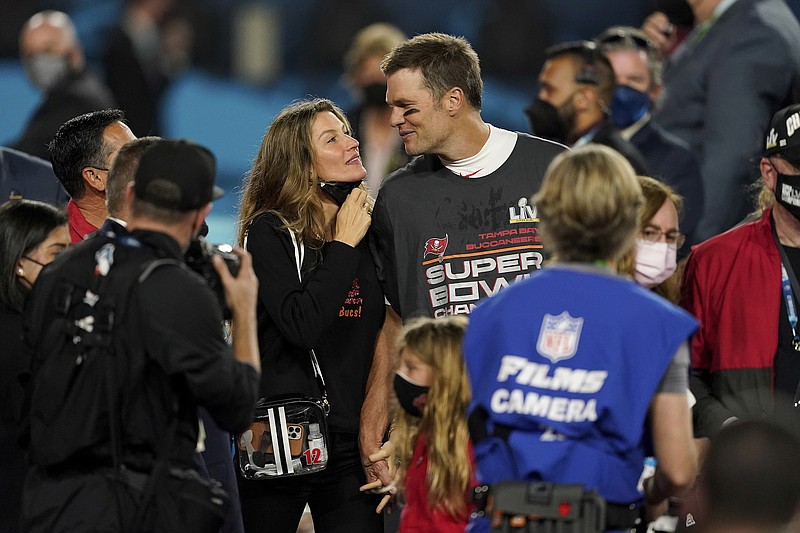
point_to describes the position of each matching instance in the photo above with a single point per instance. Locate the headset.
(588, 51)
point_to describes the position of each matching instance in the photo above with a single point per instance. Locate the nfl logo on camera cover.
(559, 336)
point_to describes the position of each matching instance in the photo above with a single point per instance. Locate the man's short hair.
(444, 62)
(123, 171)
(79, 143)
(591, 67)
(630, 38)
(58, 19)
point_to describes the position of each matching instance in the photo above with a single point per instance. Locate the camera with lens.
(198, 258)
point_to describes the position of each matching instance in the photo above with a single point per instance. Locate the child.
(430, 434)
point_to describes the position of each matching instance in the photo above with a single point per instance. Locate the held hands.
(241, 292)
(353, 218)
(660, 30)
(382, 474)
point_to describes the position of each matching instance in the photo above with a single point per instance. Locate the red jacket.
(732, 284)
(417, 515)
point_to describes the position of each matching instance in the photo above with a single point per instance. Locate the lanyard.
(788, 284)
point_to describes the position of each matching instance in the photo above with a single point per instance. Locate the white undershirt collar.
(495, 152)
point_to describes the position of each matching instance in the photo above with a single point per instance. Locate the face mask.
(787, 192)
(546, 121)
(46, 70)
(339, 190)
(375, 95)
(628, 106)
(412, 397)
(655, 262)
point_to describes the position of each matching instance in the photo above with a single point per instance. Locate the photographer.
(214, 460)
(113, 409)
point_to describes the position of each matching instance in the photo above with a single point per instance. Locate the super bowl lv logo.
(522, 212)
(436, 246)
(559, 336)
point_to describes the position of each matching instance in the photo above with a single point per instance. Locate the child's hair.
(437, 342)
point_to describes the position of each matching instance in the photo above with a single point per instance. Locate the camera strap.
(299, 255)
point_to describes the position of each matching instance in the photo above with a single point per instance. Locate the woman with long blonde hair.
(304, 219)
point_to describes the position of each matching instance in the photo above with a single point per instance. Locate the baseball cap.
(783, 137)
(176, 174)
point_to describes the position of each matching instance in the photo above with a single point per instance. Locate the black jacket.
(171, 356)
(608, 135)
(337, 310)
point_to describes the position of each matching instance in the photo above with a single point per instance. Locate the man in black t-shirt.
(454, 225)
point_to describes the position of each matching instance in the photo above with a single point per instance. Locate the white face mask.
(655, 262)
(46, 70)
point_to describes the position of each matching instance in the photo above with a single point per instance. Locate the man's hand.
(241, 292)
(381, 471)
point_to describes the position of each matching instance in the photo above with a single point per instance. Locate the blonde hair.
(589, 205)
(438, 343)
(282, 180)
(655, 194)
(377, 39)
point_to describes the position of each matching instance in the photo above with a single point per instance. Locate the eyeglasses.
(627, 38)
(98, 168)
(653, 234)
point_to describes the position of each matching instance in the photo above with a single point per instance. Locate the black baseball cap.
(177, 174)
(783, 137)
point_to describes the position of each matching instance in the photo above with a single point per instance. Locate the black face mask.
(546, 121)
(339, 190)
(787, 193)
(375, 95)
(412, 397)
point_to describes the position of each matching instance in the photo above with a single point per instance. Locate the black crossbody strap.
(162, 459)
(299, 255)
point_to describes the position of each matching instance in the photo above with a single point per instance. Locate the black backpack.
(81, 363)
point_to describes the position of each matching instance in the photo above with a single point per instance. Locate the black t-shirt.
(787, 359)
(441, 242)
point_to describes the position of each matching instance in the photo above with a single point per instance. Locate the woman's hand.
(353, 218)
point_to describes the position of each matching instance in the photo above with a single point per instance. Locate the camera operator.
(168, 351)
(214, 457)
